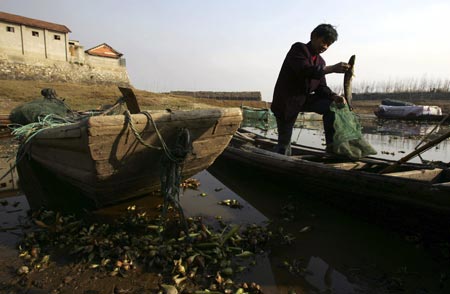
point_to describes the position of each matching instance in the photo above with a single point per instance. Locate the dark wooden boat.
(102, 160)
(416, 185)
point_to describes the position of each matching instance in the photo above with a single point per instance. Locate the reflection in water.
(12, 210)
(340, 253)
(324, 278)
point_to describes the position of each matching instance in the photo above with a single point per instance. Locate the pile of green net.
(35, 110)
(260, 118)
(348, 140)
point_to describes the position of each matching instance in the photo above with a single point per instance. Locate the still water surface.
(391, 139)
(329, 250)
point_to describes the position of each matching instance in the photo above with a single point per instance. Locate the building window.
(57, 37)
(35, 34)
(10, 29)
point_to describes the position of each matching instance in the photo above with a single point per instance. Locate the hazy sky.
(239, 45)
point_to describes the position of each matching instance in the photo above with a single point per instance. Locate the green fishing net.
(260, 118)
(31, 111)
(348, 140)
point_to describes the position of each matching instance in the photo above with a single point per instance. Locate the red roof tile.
(17, 19)
(104, 50)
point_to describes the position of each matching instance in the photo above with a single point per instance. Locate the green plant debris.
(197, 259)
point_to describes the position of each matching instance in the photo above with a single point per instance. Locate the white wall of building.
(33, 42)
(31, 45)
(56, 45)
(10, 41)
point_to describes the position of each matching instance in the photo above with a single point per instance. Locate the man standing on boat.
(301, 86)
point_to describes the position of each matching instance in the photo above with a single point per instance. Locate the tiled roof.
(17, 19)
(104, 50)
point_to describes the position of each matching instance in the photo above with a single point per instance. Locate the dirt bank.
(82, 97)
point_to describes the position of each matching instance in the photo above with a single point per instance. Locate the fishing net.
(35, 110)
(348, 140)
(260, 118)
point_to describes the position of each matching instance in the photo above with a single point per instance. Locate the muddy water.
(325, 249)
(336, 252)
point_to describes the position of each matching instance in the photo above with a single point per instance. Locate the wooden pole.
(416, 152)
(130, 99)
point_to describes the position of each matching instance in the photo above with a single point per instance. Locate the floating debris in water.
(305, 229)
(295, 267)
(288, 212)
(190, 184)
(203, 257)
(233, 203)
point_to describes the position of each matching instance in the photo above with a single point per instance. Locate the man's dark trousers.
(314, 103)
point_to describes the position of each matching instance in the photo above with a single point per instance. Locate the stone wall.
(21, 68)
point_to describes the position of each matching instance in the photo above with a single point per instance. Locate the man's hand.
(339, 99)
(340, 67)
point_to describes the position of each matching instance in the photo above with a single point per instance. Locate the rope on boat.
(171, 163)
(129, 120)
(24, 133)
(171, 172)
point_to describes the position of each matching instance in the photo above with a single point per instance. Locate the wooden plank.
(66, 171)
(118, 145)
(348, 165)
(421, 175)
(122, 146)
(308, 150)
(72, 144)
(445, 185)
(305, 157)
(199, 123)
(191, 167)
(69, 158)
(67, 131)
(215, 145)
(130, 100)
(138, 162)
(158, 117)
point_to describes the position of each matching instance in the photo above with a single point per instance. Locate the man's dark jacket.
(299, 77)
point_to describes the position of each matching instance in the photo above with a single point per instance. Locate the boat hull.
(421, 188)
(107, 159)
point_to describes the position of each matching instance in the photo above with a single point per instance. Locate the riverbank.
(83, 97)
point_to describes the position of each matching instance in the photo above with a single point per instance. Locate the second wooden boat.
(422, 186)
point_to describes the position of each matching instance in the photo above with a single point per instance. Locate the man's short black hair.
(327, 31)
